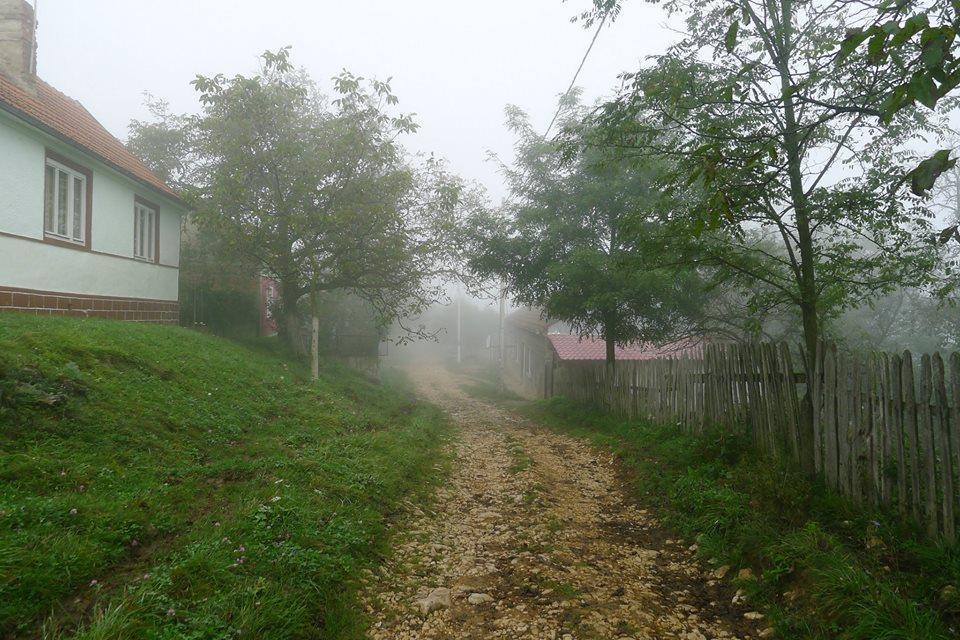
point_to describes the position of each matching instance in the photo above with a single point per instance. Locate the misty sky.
(456, 63)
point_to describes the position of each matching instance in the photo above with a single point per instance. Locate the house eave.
(50, 131)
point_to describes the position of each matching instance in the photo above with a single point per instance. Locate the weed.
(519, 460)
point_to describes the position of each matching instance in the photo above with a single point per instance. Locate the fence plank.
(927, 442)
(844, 406)
(954, 412)
(815, 386)
(830, 431)
(883, 426)
(912, 430)
(897, 431)
(941, 414)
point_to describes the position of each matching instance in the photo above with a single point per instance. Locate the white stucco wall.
(34, 265)
(29, 264)
(21, 164)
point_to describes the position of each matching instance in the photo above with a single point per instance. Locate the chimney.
(18, 42)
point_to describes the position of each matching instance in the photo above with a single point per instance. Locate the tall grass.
(160, 483)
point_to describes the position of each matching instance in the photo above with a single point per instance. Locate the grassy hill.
(156, 482)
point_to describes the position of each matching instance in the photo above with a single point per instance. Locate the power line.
(583, 62)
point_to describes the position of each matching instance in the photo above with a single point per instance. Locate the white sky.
(455, 63)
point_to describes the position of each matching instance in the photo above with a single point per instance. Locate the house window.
(65, 203)
(145, 232)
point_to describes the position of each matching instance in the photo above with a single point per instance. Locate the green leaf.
(875, 49)
(924, 177)
(731, 38)
(923, 89)
(935, 51)
(910, 28)
(854, 39)
(898, 98)
(949, 234)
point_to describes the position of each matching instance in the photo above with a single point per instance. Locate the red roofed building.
(85, 227)
(535, 347)
(567, 348)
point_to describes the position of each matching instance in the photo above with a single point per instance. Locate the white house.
(85, 227)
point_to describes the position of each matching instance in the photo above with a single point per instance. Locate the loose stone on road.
(534, 537)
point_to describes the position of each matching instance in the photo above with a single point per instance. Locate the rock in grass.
(721, 572)
(435, 601)
(950, 598)
(477, 599)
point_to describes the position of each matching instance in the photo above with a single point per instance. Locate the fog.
(455, 64)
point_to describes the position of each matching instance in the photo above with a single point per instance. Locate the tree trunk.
(610, 339)
(315, 345)
(611, 351)
(288, 326)
(806, 276)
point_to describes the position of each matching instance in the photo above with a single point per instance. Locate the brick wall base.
(49, 303)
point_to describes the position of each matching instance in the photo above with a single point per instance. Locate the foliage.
(792, 180)
(919, 38)
(582, 241)
(233, 313)
(319, 194)
(825, 569)
(187, 487)
(904, 319)
(165, 143)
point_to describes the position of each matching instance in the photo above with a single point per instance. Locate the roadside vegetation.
(818, 567)
(157, 482)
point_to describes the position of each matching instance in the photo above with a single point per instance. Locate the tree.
(793, 180)
(580, 241)
(165, 144)
(320, 195)
(915, 40)
(217, 284)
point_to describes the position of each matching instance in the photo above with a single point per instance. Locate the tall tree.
(580, 240)
(319, 194)
(795, 183)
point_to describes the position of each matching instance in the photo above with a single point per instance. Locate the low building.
(85, 228)
(527, 356)
(535, 347)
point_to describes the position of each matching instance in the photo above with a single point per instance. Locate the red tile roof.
(68, 119)
(577, 348)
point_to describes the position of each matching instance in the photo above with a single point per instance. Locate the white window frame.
(145, 234)
(72, 176)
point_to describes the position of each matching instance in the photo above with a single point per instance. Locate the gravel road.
(533, 536)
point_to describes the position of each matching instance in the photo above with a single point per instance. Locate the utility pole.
(502, 358)
(503, 305)
(314, 338)
(459, 326)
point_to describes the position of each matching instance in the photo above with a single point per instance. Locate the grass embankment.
(156, 482)
(825, 569)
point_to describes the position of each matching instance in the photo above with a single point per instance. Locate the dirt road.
(533, 537)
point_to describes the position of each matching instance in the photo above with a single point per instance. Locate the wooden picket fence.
(885, 429)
